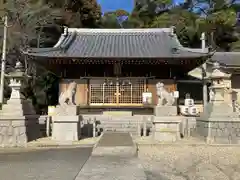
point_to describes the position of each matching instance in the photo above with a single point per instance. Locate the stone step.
(120, 129)
(121, 122)
(117, 125)
(122, 125)
(125, 122)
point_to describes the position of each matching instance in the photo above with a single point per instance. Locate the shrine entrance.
(116, 91)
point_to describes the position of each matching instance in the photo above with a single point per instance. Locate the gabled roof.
(118, 43)
(226, 59)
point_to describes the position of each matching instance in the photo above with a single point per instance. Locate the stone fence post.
(94, 127)
(48, 125)
(144, 127)
(138, 128)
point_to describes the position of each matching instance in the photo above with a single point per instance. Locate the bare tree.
(26, 19)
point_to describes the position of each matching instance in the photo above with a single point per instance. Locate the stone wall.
(188, 126)
(223, 132)
(235, 79)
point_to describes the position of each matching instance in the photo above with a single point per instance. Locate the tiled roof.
(227, 58)
(118, 43)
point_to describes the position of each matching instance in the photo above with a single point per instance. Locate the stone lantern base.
(221, 126)
(18, 124)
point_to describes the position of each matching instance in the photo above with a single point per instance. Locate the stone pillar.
(18, 120)
(219, 124)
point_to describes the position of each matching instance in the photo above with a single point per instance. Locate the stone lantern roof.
(218, 73)
(18, 71)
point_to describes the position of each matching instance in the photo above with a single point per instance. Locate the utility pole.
(204, 74)
(3, 60)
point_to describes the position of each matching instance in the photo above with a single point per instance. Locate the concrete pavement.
(45, 164)
(112, 168)
(113, 158)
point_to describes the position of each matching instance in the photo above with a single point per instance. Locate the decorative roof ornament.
(65, 31)
(19, 66)
(173, 30)
(216, 65)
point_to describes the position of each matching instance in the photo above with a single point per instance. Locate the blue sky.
(111, 5)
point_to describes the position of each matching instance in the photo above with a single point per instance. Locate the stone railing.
(94, 125)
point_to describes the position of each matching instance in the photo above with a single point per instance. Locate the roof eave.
(38, 52)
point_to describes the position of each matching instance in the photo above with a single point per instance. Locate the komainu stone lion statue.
(67, 97)
(164, 97)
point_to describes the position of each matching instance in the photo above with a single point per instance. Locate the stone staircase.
(130, 124)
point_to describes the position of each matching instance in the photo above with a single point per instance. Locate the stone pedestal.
(66, 124)
(166, 123)
(165, 111)
(65, 128)
(219, 124)
(65, 110)
(18, 120)
(167, 128)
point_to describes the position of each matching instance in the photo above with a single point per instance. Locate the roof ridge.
(142, 30)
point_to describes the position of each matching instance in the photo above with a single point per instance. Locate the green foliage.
(185, 23)
(43, 90)
(217, 18)
(109, 20)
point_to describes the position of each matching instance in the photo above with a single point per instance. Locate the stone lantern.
(218, 104)
(18, 120)
(17, 77)
(218, 86)
(219, 123)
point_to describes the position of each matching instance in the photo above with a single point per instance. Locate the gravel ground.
(166, 162)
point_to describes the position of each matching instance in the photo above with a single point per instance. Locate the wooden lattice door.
(116, 92)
